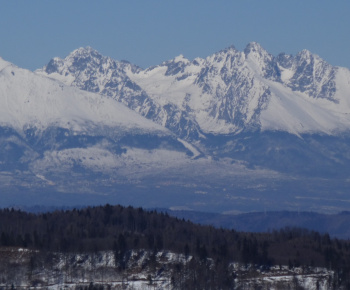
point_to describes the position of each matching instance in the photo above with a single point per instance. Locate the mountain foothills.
(236, 131)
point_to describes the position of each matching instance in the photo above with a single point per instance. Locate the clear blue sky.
(149, 32)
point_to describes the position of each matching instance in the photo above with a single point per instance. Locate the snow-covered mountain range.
(244, 121)
(248, 105)
(228, 92)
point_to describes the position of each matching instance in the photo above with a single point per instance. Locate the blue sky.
(149, 32)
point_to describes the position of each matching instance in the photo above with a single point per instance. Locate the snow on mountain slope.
(27, 99)
(227, 92)
(297, 114)
(342, 81)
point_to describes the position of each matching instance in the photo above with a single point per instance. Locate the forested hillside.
(124, 229)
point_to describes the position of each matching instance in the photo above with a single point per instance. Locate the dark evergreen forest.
(122, 229)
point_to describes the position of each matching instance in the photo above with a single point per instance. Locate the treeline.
(121, 229)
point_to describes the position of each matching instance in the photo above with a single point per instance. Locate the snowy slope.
(297, 113)
(27, 100)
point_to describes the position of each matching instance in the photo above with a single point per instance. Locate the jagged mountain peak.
(80, 59)
(305, 53)
(228, 50)
(180, 58)
(308, 73)
(225, 53)
(224, 61)
(253, 47)
(176, 65)
(260, 60)
(307, 57)
(304, 56)
(84, 50)
(86, 59)
(89, 70)
(257, 53)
